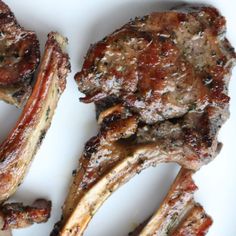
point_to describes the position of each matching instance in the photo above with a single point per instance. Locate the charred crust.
(42, 136)
(91, 146)
(106, 103)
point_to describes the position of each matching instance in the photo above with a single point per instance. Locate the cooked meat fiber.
(19, 58)
(160, 89)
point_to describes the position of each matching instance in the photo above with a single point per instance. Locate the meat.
(162, 65)
(16, 215)
(18, 150)
(19, 58)
(178, 212)
(160, 88)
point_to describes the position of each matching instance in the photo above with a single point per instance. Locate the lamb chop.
(160, 88)
(18, 150)
(19, 58)
(179, 214)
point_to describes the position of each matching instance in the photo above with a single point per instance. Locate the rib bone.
(17, 151)
(179, 214)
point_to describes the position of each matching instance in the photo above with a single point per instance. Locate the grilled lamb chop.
(160, 89)
(16, 215)
(179, 214)
(18, 150)
(19, 58)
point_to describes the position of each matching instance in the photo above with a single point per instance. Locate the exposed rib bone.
(177, 211)
(92, 198)
(197, 222)
(17, 151)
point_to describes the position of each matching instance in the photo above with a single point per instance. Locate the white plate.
(85, 22)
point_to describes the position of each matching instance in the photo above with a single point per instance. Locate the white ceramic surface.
(85, 22)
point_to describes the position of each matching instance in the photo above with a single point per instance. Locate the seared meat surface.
(160, 88)
(19, 58)
(16, 215)
(163, 65)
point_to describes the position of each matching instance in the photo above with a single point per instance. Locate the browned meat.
(178, 212)
(18, 150)
(16, 215)
(160, 88)
(163, 65)
(19, 57)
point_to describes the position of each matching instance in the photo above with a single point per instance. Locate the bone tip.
(61, 40)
